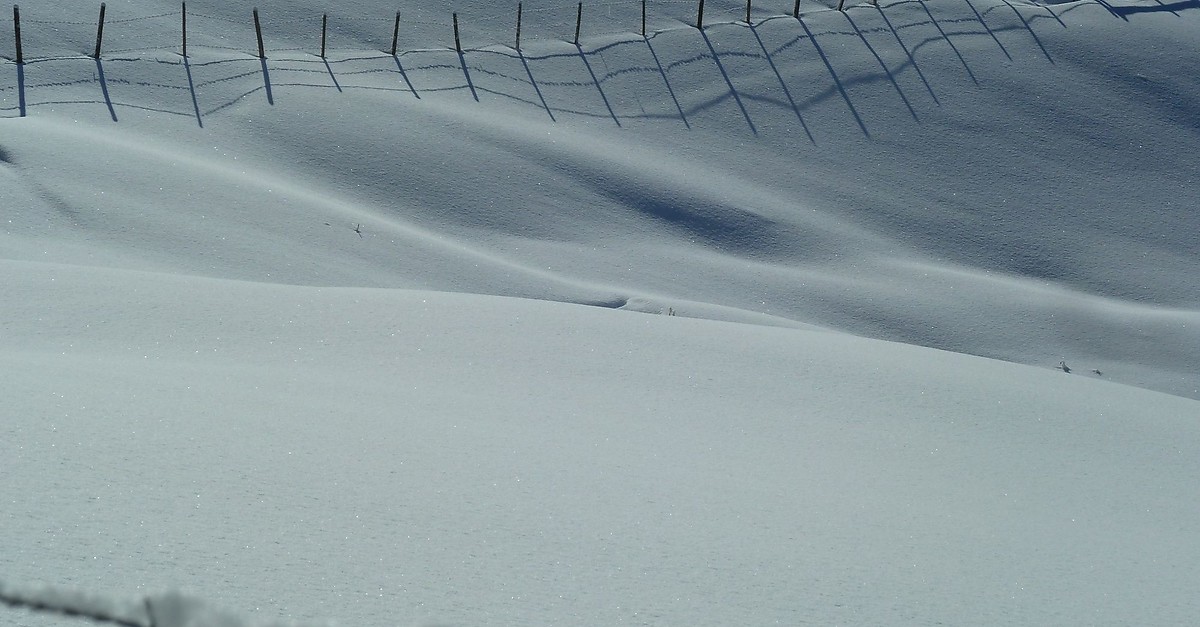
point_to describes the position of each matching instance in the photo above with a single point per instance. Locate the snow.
(377, 339)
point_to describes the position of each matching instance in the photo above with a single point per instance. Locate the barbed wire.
(25, 20)
(131, 50)
(217, 18)
(129, 20)
(343, 18)
(226, 48)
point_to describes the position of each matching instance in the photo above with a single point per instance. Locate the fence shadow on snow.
(222, 61)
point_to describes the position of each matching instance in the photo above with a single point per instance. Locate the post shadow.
(787, 92)
(404, 75)
(21, 88)
(887, 72)
(666, 82)
(951, 42)
(187, 67)
(331, 75)
(267, 81)
(104, 89)
(732, 90)
(1029, 28)
(462, 60)
(595, 80)
(1064, 24)
(989, 30)
(1112, 10)
(1159, 3)
(1173, 8)
(836, 81)
(908, 53)
(536, 89)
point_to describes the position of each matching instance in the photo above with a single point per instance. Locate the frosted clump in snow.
(166, 609)
(175, 609)
(73, 602)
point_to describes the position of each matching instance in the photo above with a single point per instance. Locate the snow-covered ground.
(388, 339)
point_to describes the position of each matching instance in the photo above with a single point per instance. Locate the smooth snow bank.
(376, 456)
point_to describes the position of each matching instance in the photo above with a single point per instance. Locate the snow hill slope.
(992, 178)
(304, 335)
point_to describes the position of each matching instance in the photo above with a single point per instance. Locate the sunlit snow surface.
(304, 337)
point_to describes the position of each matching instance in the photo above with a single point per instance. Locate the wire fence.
(26, 35)
(607, 77)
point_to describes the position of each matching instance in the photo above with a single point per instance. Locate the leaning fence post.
(748, 11)
(262, 54)
(841, 3)
(643, 18)
(183, 28)
(395, 33)
(700, 16)
(518, 26)
(457, 41)
(324, 23)
(796, 10)
(17, 33)
(99, 32)
(578, 22)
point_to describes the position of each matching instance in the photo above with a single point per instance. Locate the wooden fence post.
(700, 16)
(518, 26)
(17, 33)
(262, 53)
(99, 32)
(841, 3)
(748, 11)
(324, 24)
(796, 10)
(183, 28)
(395, 33)
(643, 18)
(457, 41)
(578, 22)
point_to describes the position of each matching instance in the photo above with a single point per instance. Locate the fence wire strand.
(130, 20)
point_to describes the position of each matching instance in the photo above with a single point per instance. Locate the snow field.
(314, 351)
